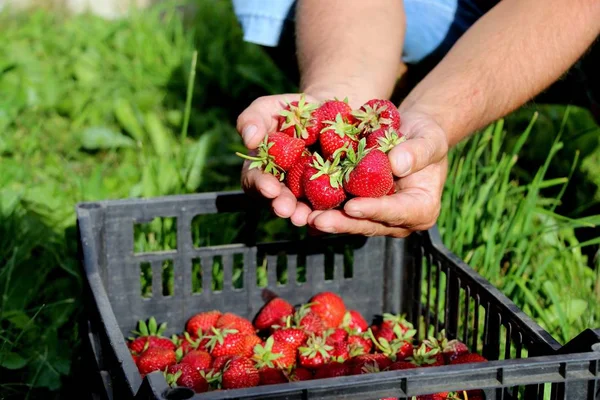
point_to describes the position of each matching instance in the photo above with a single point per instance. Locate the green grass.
(146, 106)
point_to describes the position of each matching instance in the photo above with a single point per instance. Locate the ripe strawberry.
(314, 353)
(186, 376)
(308, 321)
(155, 359)
(250, 341)
(225, 342)
(384, 333)
(339, 136)
(434, 396)
(322, 183)
(300, 374)
(220, 362)
(399, 347)
(468, 358)
(384, 139)
(274, 355)
(293, 179)
(354, 322)
(340, 352)
(401, 365)
(233, 321)
(336, 335)
(273, 313)
(450, 348)
(422, 357)
(329, 307)
(359, 344)
(332, 370)
(271, 376)
(368, 363)
(202, 322)
(198, 359)
(149, 335)
(376, 114)
(294, 337)
(367, 172)
(297, 120)
(390, 320)
(239, 372)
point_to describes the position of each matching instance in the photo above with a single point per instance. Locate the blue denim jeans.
(432, 26)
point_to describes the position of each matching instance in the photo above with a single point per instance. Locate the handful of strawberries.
(326, 152)
(317, 340)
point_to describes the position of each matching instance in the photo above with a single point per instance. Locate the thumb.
(260, 118)
(426, 147)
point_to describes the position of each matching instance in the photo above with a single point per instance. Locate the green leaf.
(126, 116)
(102, 138)
(12, 361)
(159, 135)
(197, 157)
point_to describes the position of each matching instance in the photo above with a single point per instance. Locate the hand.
(256, 121)
(421, 164)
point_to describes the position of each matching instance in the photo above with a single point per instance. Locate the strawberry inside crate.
(413, 287)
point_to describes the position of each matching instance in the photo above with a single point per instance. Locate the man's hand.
(420, 163)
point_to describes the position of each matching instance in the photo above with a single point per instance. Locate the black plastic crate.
(417, 276)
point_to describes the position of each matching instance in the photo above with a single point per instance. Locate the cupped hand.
(421, 165)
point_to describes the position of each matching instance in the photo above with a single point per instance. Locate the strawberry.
(468, 358)
(277, 153)
(385, 333)
(359, 344)
(239, 372)
(337, 335)
(449, 348)
(314, 353)
(185, 343)
(225, 342)
(300, 374)
(422, 357)
(294, 176)
(398, 365)
(399, 347)
(310, 322)
(340, 352)
(149, 335)
(273, 313)
(354, 322)
(274, 354)
(294, 337)
(389, 320)
(322, 183)
(186, 376)
(376, 114)
(434, 396)
(332, 370)
(155, 359)
(220, 362)
(233, 321)
(202, 322)
(329, 307)
(297, 120)
(271, 376)
(384, 139)
(198, 359)
(337, 137)
(367, 172)
(249, 342)
(368, 363)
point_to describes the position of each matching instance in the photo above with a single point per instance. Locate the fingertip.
(401, 160)
(300, 215)
(285, 204)
(268, 185)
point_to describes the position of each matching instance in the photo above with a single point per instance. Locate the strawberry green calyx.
(422, 356)
(172, 378)
(149, 329)
(264, 161)
(218, 336)
(331, 168)
(397, 320)
(353, 157)
(341, 127)
(391, 139)
(315, 345)
(406, 335)
(298, 116)
(263, 354)
(370, 117)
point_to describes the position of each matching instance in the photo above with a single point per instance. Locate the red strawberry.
(384, 333)
(293, 178)
(339, 136)
(297, 120)
(155, 359)
(273, 313)
(377, 113)
(202, 322)
(250, 341)
(310, 322)
(354, 322)
(239, 372)
(435, 396)
(314, 353)
(390, 320)
(401, 365)
(384, 139)
(198, 359)
(449, 348)
(274, 354)
(150, 335)
(294, 337)
(422, 357)
(329, 307)
(332, 370)
(233, 321)
(367, 172)
(358, 344)
(468, 358)
(336, 335)
(271, 376)
(322, 183)
(369, 363)
(340, 352)
(277, 153)
(186, 376)
(219, 362)
(300, 374)
(399, 347)
(225, 342)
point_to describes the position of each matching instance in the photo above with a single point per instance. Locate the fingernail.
(249, 132)
(403, 163)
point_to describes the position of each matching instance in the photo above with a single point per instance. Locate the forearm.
(510, 55)
(349, 47)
